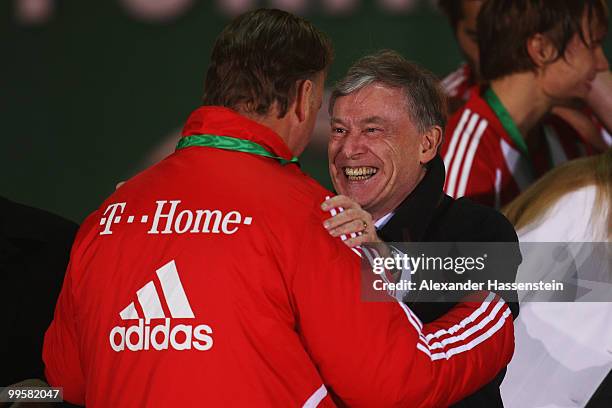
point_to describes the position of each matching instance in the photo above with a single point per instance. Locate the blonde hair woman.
(563, 351)
(583, 187)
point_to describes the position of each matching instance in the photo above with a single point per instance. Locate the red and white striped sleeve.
(379, 353)
(468, 159)
(457, 335)
(457, 82)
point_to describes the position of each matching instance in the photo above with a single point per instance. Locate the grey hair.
(425, 101)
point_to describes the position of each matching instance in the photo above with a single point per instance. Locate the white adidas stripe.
(129, 312)
(469, 158)
(315, 399)
(415, 317)
(423, 342)
(498, 177)
(416, 323)
(451, 89)
(448, 354)
(149, 300)
(458, 157)
(462, 324)
(449, 78)
(471, 330)
(450, 153)
(452, 77)
(173, 291)
(424, 349)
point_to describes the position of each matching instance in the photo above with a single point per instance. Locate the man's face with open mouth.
(373, 148)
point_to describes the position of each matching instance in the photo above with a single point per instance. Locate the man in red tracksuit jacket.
(208, 279)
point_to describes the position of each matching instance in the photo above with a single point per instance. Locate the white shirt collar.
(383, 220)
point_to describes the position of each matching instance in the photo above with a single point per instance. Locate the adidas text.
(144, 336)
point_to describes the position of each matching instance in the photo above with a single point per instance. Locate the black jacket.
(429, 215)
(34, 252)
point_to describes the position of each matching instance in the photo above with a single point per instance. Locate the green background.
(87, 95)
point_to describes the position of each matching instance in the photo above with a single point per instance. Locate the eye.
(373, 130)
(338, 130)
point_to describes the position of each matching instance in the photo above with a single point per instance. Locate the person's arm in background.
(379, 353)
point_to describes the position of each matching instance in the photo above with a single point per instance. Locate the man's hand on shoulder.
(349, 220)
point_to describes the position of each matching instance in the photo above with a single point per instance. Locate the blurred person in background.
(531, 61)
(563, 352)
(462, 16)
(34, 252)
(387, 118)
(592, 123)
(208, 278)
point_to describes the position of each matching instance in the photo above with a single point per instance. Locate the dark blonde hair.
(259, 57)
(542, 195)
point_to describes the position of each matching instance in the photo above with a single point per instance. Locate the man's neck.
(523, 100)
(389, 207)
(280, 126)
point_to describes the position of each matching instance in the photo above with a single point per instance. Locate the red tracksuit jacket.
(483, 162)
(209, 280)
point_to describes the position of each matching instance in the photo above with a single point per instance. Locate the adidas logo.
(144, 336)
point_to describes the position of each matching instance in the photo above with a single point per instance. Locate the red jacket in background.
(483, 162)
(209, 280)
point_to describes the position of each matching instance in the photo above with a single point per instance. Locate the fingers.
(347, 228)
(352, 221)
(347, 216)
(366, 238)
(339, 201)
(355, 242)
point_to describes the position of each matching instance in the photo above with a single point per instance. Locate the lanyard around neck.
(230, 143)
(506, 120)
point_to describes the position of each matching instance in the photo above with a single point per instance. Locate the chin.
(363, 193)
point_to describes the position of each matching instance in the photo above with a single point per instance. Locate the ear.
(430, 141)
(541, 50)
(303, 99)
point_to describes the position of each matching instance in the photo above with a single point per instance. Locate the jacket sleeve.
(379, 353)
(469, 160)
(60, 349)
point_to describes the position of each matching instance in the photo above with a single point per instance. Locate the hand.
(583, 124)
(351, 220)
(600, 99)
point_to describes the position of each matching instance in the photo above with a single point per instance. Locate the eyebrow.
(369, 119)
(373, 119)
(334, 119)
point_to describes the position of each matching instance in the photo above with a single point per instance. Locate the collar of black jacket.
(414, 214)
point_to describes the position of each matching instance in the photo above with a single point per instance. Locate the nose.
(601, 62)
(354, 145)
